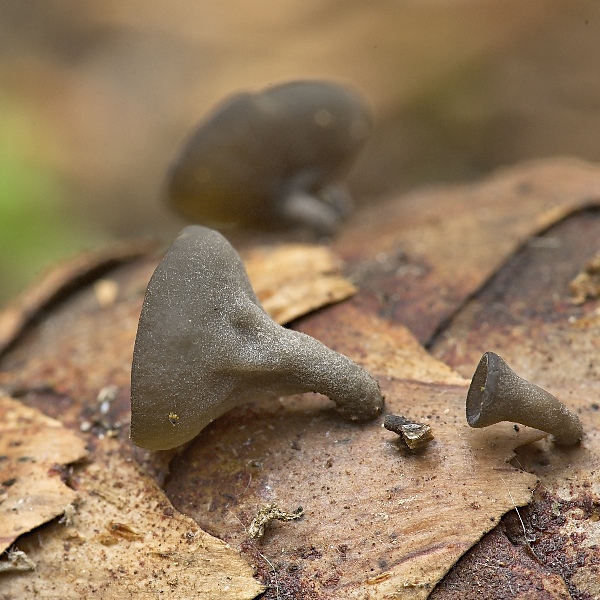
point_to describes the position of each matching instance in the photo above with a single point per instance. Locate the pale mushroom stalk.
(205, 344)
(497, 394)
(322, 213)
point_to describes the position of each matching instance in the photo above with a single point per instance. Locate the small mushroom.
(204, 345)
(498, 394)
(272, 159)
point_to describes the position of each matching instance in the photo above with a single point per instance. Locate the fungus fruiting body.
(498, 394)
(204, 345)
(272, 159)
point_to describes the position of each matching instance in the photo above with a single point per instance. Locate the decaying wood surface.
(124, 539)
(294, 279)
(416, 259)
(34, 450)
(526, 314)
(435, 269)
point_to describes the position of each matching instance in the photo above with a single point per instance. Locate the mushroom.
(205, 344)
(497, 394)
(272, 159)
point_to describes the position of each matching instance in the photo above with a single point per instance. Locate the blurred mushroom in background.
(111, 89)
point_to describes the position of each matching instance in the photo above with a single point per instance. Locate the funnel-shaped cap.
(497, 394)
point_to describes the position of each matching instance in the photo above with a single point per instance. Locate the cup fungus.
(204, 345)
(498, 394)
(272, 159)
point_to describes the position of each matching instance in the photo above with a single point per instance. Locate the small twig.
(415, 436)
(272, 570)
(268, 513)
(526, 536)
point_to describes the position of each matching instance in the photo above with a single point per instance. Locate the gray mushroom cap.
(204, 345)
(272, 159)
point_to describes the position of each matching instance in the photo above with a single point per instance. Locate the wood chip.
(292, 280)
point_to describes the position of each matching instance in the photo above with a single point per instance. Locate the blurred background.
(96, 98)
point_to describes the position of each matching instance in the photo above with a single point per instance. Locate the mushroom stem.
(497, 394)
(306, 209)
(304, 364)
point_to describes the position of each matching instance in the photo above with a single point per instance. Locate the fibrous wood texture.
(124, 539)
(295, 279)
(378, 521)
(33, 451)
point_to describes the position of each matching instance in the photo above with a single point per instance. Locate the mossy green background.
(35, 226)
